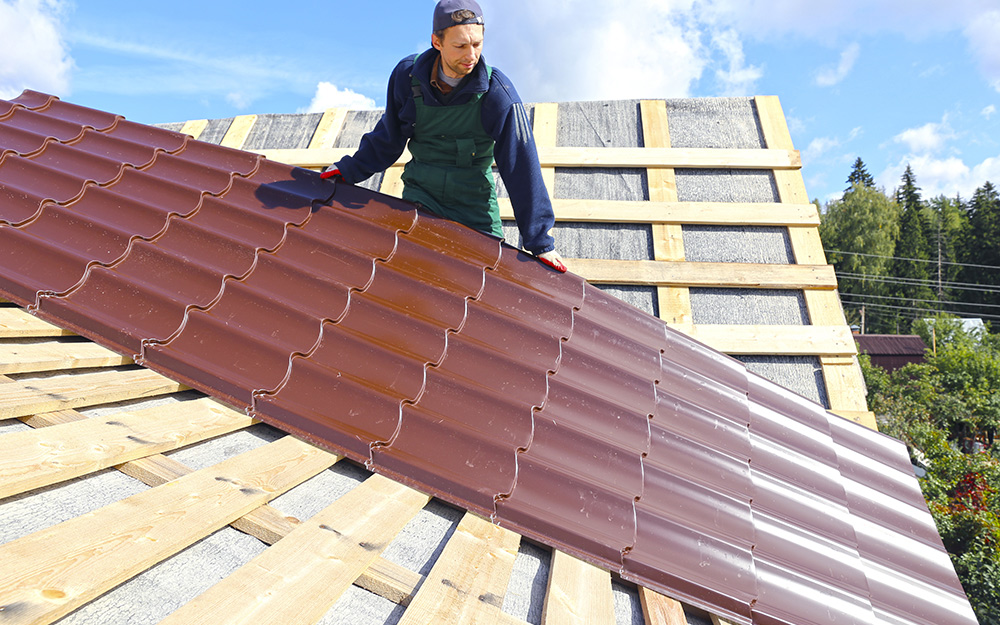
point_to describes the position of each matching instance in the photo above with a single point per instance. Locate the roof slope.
(456, 364)
(692, 210)
(891, 344)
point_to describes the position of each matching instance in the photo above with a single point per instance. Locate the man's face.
(460, 49)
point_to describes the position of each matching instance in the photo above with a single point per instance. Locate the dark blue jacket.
(504, 119)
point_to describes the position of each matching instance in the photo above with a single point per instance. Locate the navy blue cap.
(444, 14)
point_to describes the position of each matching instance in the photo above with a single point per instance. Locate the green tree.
(981, 246)
(859, 175)
(910, 275)
(860, 230)
(948, 221)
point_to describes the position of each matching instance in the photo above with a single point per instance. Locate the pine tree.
(948, 221)
(910, 275)
(859, 175)
(908, 198)
(981, 245)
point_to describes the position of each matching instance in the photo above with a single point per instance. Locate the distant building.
(891, 351)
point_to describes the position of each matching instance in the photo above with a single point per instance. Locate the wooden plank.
(578, 593)
(238, 131)
(695, 158)
(194, 127)
(328, 129)
(17, 324)
(298, 580)
(30, 460)
(546, 130)
(658, 609)
(650, 272)
(56, 570)
(384, 578)
(688, 158)
(27, 397)
(468, 582)
(741, 340)
(56, 356)
(824, 308)
(392, 181)
(806, 245)
(673, 303)
(844, 384)
(861, 417)
(48, 419)
(701, 213)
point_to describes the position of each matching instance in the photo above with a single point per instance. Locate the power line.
(955, 286)
(910, 312)
(920, 301)
(915, 260)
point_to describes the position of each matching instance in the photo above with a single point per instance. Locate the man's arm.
(383, 145)
(506, 121)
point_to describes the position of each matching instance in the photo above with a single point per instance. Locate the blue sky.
(891, 81)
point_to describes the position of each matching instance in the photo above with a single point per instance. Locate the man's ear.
(436, 42)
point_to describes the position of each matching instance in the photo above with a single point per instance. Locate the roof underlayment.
(457, 365)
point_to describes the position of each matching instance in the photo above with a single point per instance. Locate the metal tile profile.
(454, 363)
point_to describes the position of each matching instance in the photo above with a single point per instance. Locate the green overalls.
(452, 168)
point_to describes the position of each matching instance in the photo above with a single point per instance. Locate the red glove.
(552, 259)
(332, 173)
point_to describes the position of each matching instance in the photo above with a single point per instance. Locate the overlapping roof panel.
(454, 363)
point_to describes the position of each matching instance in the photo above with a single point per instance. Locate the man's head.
(450, 13)
(458, 36)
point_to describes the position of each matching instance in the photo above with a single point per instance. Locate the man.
(459, 115)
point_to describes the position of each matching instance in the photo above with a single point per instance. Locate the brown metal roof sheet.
(454, 363)
(890, 344)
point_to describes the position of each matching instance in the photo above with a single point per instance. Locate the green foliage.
(947, 221)
(863, 227)
(980, 246)
(860, 176)
(940, 409)
(911, 275)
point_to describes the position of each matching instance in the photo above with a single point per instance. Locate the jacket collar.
(478, 81)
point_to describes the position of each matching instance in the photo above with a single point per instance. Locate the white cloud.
(988, 111)
(240, 100)
(596, 49)
(190, 68)
(926, 139)
(985, 44)
(830, 76)
(949, 176)
(34, 52)
(329, 96)
(740, 78)
(818, 147)
(828, 20)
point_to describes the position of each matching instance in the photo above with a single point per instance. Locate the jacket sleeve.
(506, 121)
(383, 145)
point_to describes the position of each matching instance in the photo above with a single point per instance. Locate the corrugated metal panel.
(890, 344)
(451, 362)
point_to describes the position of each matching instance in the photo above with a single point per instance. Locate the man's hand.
(332, 173)
(552, 259)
